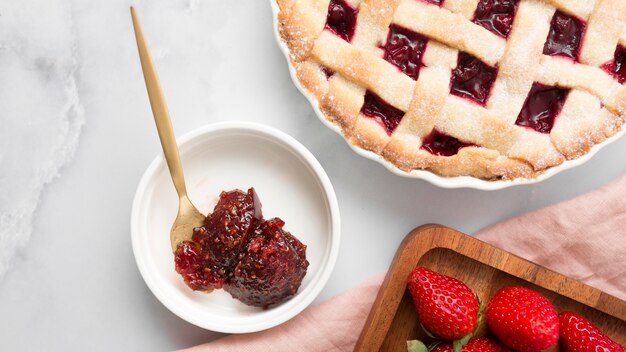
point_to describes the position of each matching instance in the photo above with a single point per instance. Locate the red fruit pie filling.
(380, 111)
(328, 72)
(252, 258)
(472, 79)
(618, 67)
(404, 49)
(496, 15)
(542, 106)
(565, 36)
(341, 19)
(441, 144)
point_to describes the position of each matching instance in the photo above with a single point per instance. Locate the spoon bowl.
(188, 218)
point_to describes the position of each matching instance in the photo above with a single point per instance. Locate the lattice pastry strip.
(495, 134)
(429, 97)
(465, 8)
(567, 74)
(361, 67)
(612, 123)
(402, 77)
(520, 62)
(435, 23)
(579, 126)
(300, 23)
(603, 31)
(579, 8)
(480, 126)
(374, 19)
(425, 116)
(343, 101)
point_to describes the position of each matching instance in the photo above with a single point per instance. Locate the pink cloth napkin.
(583, 238)
(333, 325)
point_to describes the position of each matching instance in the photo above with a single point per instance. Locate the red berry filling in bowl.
(255, 260)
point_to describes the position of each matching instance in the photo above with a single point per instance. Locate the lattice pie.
(495, 89)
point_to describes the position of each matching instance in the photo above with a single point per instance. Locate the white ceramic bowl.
(441, 181)
(291, 184)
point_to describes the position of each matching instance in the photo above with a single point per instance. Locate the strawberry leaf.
(416, 346)
(457, 345)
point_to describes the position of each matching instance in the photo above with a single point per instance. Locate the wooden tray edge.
(430, 236)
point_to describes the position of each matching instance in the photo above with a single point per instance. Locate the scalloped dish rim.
(437, 180)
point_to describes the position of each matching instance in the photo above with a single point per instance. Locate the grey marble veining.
(74, 105)
(41, 111)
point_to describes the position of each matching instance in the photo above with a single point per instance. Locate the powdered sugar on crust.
(595, 108)
(579, 8)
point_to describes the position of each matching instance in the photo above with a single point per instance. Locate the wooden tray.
(483, 268)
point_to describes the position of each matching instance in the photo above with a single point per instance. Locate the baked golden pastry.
(495, 89)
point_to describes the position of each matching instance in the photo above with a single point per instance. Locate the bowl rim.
(313, 289)
(437, 180)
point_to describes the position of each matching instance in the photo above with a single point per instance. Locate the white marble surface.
(74, 105)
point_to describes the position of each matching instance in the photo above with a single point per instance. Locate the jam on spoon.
(253, 259)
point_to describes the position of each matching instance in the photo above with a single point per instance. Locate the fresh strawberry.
(476, 344)
(579, 335)
(445, 306)
(523, 319)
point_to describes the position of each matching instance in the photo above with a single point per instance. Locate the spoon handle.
(159, 110)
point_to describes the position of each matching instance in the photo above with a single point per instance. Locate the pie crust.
(358, 89)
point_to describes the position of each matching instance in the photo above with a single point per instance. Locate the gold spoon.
(188, 215)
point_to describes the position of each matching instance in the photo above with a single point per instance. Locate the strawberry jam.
(231, 223)
(254, 259)
(197, 267)
(271, 267)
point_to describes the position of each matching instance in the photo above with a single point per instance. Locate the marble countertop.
(76, 134)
